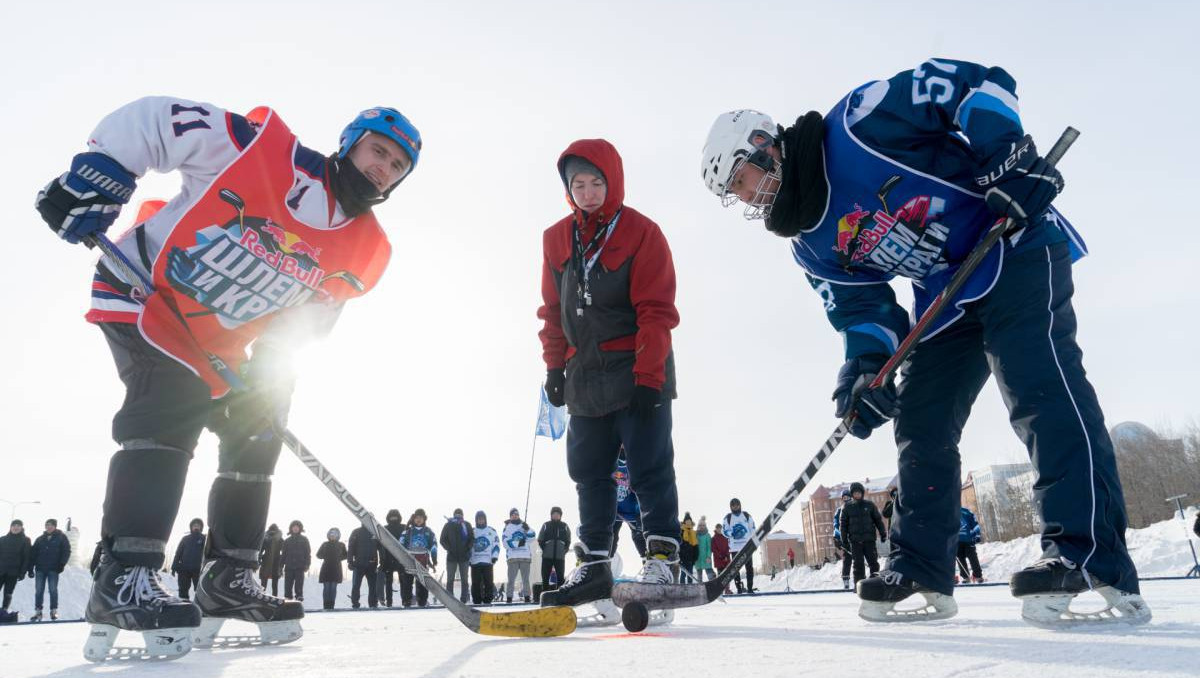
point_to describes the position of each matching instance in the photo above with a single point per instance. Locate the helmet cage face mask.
(765, 192)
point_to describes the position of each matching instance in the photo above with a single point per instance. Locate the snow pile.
(1160, 550)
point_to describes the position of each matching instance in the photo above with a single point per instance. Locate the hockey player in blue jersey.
(902, 178)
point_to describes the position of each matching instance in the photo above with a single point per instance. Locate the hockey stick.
(539, 623)
(670, 596)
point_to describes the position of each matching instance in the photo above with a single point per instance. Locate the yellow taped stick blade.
(545, 622)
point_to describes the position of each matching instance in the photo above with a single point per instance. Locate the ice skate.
(661, 564)
(881, 593)
(590, 581)
(230, 591)
(1047, 588)
(132, 599)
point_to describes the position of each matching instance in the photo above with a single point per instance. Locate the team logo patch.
(247, 268)
(911, 241)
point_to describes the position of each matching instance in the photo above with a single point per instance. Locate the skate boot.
(590, 581)
(132, 599)
(881, 593)
(1047, 588)
(37, 615)
(228, 590)
(53, 615)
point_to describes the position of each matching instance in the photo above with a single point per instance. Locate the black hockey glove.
(645, 401)
(1021, 184)
(872, 406)
(556, 381)
(87, 199)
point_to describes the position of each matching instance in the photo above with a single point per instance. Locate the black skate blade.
(661, 596)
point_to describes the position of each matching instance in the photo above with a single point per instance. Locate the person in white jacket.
(739, 527)
(484, 553)
(518, 549)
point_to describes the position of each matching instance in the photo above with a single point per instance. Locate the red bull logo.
(848, 227)
(290, 243)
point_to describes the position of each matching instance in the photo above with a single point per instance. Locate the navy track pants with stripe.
(1023, 332)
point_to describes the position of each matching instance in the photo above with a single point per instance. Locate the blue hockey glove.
(1021, 184)
(254, 412)
(872, 406)
(87, 199)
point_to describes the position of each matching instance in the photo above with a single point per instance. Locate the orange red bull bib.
(238, 257)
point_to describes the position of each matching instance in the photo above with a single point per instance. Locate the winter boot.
(132, 599)
(845, 583)
(37, 615)
(592, 580)
(53, 615)
(881, 593)
(229, 590)
(1047, 588)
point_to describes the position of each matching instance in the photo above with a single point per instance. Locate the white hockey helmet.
(734, 138)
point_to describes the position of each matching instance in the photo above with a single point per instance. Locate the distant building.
(1002, 497)
(817, 515)
(777, 545)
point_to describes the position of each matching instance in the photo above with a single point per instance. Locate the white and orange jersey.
(253, 240)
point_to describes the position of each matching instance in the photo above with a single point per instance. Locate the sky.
(426, 393)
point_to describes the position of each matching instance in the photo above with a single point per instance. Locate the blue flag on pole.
(552, 421)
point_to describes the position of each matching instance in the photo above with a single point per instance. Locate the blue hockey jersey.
(901, 157)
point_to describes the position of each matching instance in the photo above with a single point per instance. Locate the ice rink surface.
(760, 636)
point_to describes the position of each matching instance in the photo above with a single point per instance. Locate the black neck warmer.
(802, 195)
(351, 188)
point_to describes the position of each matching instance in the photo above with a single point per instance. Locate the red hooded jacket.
(623, 338)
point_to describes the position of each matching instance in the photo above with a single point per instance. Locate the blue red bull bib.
(884, 219)
(238, 257)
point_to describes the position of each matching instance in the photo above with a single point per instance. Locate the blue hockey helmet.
(385, 121)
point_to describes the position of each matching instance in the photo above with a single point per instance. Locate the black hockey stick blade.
(663, 596)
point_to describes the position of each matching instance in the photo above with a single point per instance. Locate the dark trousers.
(483, 586)
(293, 583)
(274, 582)
(186, 581)
(1023, 332)
(967, 555)
(367, 573)
(737, 575)
(635, 530)
(861, 551)
(329, 594)
(847, 561)
(42, 579)
(592, 446)
(8, 582)
(559, 565)
(460, 567)
(408, 581)
(165, 409)
(385, 586)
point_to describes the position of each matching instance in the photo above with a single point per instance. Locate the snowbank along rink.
(769, 635)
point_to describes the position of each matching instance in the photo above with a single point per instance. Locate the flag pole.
(529, 484)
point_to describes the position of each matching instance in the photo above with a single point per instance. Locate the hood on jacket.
(857, 487)
(334, 534)
(394, 516)
(605, 157)
(295, 523)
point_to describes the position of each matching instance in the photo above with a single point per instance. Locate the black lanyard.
(582, 263)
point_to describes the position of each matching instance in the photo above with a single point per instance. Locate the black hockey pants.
(1023, 332)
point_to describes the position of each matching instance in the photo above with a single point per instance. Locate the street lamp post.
(12, 513)
(1195, 571)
